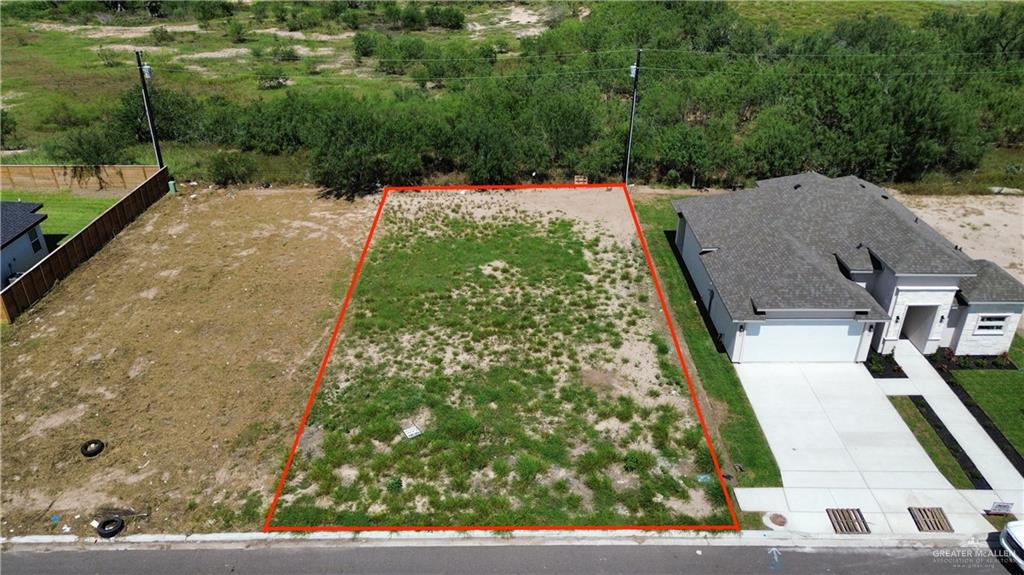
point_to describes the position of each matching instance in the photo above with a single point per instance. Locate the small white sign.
(411, 431)
(1001, 508)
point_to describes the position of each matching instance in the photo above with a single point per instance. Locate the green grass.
(67, 214)
(744, 441)
(999, 167)
(512, 376)
(1000, 393)
(804, 16)
(931, 442)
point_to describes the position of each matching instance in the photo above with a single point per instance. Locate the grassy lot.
(744, 441)
(932, 444)
(1003, 167)
(526, 350)
(803, 16)
(1001, 394)
(67, 214)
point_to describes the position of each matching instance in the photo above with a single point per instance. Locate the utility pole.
(634, 71)
(145, 71)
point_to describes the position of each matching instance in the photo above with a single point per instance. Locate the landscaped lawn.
(931, 442)
(67, 214)
(527, 348)
(1000, 393)
(744, 441)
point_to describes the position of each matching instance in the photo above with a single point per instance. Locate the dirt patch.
(216, 54)
(206, 352)
(520, 21)
(132, 48)
(986, 227)
(315, 36)
(113, 31)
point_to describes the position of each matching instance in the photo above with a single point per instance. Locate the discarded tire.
(92, 448)
(110, 527)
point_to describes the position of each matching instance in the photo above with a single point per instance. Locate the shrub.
(284, 54)
(394, 485)
(363, 45)
(446, 17)
(303, 20)
(108, 57)
(227, 168)
(93, 145)
(235, 31)
(412, 17)
(8, 131)
(160, 35)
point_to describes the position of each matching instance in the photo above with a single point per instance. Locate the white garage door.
(801, 341)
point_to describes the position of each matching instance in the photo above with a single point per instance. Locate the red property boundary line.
(267, 527)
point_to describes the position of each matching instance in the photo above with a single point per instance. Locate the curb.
(486, 538)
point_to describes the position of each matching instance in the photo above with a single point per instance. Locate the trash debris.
(411, 431)
(94, 523)
(92, 448)
(109, 527)
(704, 478)
(66, 528)
(54, 518)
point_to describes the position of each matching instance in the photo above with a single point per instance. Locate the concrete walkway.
(839, 442)
(923, 380)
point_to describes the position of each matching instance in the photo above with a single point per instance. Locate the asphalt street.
(581, 560)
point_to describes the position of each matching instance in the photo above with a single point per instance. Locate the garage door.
(801, 341)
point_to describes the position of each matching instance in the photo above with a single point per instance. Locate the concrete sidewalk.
(839, 442)
(923, 380)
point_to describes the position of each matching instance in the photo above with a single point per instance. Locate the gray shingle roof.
(778, 243)
(993, 284)
(17, 218)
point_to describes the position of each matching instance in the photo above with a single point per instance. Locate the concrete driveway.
(839, 442)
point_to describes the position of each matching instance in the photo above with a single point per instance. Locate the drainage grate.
(930, 519)
(848, 521)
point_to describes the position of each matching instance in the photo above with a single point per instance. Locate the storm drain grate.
(930, 519)
(848, 521)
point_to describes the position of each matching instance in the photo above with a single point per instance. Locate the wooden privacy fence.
(33, 284)
(109, 179)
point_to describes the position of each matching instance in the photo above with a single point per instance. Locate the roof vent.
(863, 186)
(797, 187)
(885, 197)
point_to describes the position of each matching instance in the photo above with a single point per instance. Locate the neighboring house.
(811, 268)
(22, 244)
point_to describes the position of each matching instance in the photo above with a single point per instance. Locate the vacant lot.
(519, 332)
(188, 345)
(986, 227)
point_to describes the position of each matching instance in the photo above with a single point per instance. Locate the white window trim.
(1002, 324)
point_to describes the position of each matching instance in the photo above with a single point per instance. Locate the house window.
(33, 236)
(991, 324)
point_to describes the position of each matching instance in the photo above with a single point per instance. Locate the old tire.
(92, 448)
(110, 527)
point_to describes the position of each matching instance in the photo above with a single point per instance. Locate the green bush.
(363, 45)
(226, 168)
(445, 16)
(637, 461)
(8, 131)
(92, 145)
(161, 36)
(235, 31)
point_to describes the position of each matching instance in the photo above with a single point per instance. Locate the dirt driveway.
(188, 345)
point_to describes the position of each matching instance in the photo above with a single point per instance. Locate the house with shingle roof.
(812, 268)
(21, 240)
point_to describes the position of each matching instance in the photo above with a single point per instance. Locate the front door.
(917, 326)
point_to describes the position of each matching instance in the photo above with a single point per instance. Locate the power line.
(506, 57)
(785, 73)
(826, 54)
(491, 76)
